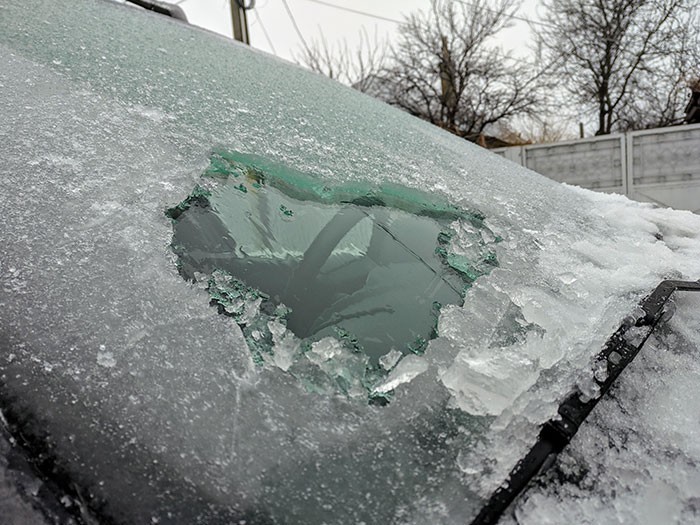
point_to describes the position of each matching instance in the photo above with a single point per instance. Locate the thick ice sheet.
(109, 117)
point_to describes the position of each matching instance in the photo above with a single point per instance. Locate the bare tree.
(659, 95)
(359, 67)
(446, 68)
(625, 58)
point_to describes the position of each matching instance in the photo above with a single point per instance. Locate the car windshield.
(232, 290)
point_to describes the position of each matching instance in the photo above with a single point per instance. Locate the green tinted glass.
(368, 265)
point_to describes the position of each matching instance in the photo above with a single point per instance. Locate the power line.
(395, 21)
(294, 23)
(262, 26)
(356, 11)
(508, 15)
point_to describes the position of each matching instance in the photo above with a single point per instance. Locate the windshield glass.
(277, 250)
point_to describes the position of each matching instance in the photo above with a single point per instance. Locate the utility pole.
(240, 20)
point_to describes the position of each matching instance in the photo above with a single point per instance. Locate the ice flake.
(105, 358)
(389, 360)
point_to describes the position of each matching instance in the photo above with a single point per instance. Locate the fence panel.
(596, 164)
(659, 165)
(664, 166)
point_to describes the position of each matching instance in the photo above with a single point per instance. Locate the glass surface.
(340, 260)
(334, 284)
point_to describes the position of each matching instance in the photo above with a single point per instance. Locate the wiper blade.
(555, 434)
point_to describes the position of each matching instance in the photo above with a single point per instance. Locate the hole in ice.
(368, 266)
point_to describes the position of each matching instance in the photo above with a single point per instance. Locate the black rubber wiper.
(555, 434)
(163, 8)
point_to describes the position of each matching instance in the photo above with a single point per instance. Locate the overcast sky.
(315, 19)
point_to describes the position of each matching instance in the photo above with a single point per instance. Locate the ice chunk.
(600, 370)
(487, 386)
(635, 335)
(286, 345)
(408, 368)
(345, 368)
(389, 360)
(105, 358)
(325, 350)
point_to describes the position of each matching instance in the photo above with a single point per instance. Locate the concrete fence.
(655, 165)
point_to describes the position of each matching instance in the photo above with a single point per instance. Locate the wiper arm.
(163, 8)
(555, 434)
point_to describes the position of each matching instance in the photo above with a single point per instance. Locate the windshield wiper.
(163, 8)
(555, 434)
